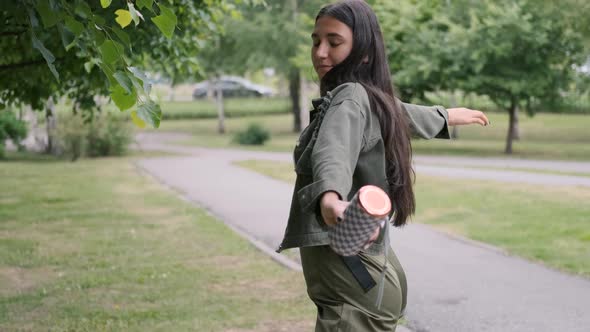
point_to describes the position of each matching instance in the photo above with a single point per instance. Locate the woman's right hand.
(332, 208)
(464, 116)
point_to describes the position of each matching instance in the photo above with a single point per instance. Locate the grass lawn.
(545, 136)
(529, 170)
(233, 107)
(204, 132)
(204, 108)
(542, 223)
(96, 246)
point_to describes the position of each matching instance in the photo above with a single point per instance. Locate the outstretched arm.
(433, 121)
(427, 122)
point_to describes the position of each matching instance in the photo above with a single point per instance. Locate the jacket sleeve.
(335, 153)
(427, 121)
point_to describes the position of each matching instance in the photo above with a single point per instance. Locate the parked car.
(231, 86)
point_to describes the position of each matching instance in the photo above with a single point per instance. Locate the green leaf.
(88, 66)
(147, 83)
(111, 51)
(150, 113)
(145, 3)
(123, 36)
(98, 20)
(138, 84)
(108, 71)
(47, 55)
(74, 26)
(48, 16)
(166, 21)
(123, 17)
(122, 99)
(135, 15)
(67, 37)
(138, 73)
(97, 35)
(136, 120)
(83, 10)
(123, 80)
(105, 3)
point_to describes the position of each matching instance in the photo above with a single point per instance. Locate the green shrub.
(11, 128)
(255, 134)
(70, 135)
(100, 136)
(108, 135)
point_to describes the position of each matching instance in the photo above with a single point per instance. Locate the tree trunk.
(171, 95)
(50, 123)
(220, 110)
(304, 111)
(516, 128)
(455, 131)
(75, 107)
(510, 138)
(295, 83)
(294, 93)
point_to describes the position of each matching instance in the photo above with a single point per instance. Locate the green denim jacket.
(348, 153)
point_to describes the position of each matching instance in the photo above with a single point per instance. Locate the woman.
(359, 135)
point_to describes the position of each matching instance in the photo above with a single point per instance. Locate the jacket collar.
(319, 104)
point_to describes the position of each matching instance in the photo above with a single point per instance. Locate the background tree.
(519, 54)
(277, 36)
(220, 55)
(420, 59)
(420, 56)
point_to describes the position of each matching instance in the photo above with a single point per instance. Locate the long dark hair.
(367, 65)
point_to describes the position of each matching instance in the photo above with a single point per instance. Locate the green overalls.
(347, 154)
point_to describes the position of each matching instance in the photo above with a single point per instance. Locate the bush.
(108, 135)
(11, 128)
(70, 136)
(100, 136)
(255, 134)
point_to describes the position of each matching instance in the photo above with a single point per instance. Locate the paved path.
(502, 169)
(507, 163)
(455, 284)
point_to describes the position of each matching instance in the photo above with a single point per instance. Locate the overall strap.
(359, 271)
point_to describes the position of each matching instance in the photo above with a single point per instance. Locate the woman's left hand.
(465, 116)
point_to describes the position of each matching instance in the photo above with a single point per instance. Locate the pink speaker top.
(374, 200)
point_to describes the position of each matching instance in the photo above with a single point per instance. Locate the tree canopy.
(79, 49)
